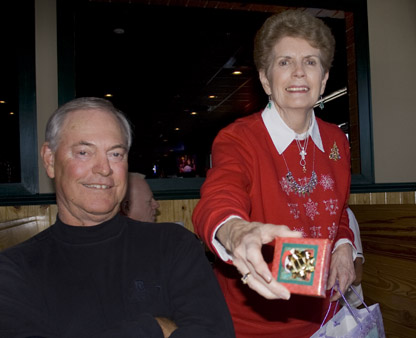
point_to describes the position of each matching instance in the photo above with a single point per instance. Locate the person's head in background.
(139, 203)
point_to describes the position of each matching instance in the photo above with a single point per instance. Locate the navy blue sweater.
(110, 280)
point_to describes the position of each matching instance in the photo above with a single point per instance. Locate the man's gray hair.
(55, 122)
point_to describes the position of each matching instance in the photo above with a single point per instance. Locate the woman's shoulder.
(243, 125)
(329, 129)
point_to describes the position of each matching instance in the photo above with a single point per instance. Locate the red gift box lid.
(302, 264)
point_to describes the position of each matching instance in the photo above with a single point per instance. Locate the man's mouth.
(97, 186)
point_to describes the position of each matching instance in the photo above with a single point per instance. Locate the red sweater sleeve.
(225, 190)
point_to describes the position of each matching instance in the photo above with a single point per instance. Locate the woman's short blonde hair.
(297, 24)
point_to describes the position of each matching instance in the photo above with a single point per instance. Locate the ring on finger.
(245, 277)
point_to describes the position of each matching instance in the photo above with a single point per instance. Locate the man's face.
(142, 205)
(89, 167)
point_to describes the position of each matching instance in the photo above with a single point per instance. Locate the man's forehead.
(93, 123)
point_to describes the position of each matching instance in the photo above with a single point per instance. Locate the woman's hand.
(244, 240)
(342, 269)
(358, 267)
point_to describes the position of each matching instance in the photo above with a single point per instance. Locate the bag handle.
(329, 308)
(350, 309)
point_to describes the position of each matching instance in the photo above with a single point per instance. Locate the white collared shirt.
(280, 133)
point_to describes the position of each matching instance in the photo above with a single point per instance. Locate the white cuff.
(345, 241)
(221, 250)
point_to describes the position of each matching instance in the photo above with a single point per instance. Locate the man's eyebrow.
(83, 143)
(117, 146)
(89, 144)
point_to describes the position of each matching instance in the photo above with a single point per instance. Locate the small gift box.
(302, 264)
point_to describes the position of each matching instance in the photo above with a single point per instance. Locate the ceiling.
(163, 60)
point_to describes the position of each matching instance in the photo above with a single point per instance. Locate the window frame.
(188, 188)
(27, 191)
(29, 181)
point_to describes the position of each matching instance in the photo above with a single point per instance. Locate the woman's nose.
(298, 69)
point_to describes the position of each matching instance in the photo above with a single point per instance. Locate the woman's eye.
(311, 62)
(283, 62)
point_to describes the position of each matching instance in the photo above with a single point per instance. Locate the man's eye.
(82, 153)
(117, 156)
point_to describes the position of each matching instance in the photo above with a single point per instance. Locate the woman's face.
(295, 79)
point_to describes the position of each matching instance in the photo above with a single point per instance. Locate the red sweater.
(248, 180)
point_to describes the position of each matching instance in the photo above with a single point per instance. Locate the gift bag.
(350, 322)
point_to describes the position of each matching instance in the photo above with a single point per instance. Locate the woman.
(280, 172)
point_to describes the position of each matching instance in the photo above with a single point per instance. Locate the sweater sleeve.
(225, 190)
(198, 305)
(344, 230)
(21, 308)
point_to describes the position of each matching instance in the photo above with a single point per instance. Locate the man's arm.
(198, 305)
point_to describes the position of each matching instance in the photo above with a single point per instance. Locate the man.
(139, 203)
(96, 273)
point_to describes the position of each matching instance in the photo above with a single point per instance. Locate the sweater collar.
(90, 234)
(280, 133)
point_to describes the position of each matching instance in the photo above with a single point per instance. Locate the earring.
(269, 105)
(321, 104)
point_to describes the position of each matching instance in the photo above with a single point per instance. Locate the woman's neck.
(298, 121)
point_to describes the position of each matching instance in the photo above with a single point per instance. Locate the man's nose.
(102, 165)
(155, 204)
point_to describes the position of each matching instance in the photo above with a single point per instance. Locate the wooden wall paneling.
(362, 199)
(19, 223)
(177, 211)
(409, 197)
(388, 235)
(391, 282)
(377, 198)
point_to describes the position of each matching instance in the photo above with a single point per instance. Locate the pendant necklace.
(302, 189)
(302, 152)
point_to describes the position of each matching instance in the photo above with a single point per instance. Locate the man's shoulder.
(29, 245)
(165, 229)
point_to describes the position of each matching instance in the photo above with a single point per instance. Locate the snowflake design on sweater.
(294, 210)
(331, 206)
(327, 182)
(332, 231)
(311, 209)
(302, 230)
(285, 185)
(315, 231)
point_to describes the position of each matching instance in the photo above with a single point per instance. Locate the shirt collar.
(282, 135)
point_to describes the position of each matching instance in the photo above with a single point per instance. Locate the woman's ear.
(265, 82)
(323, 82)
(48, 158)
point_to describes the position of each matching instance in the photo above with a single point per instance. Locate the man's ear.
(265, 82)
(125, 207)
(48, 158)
